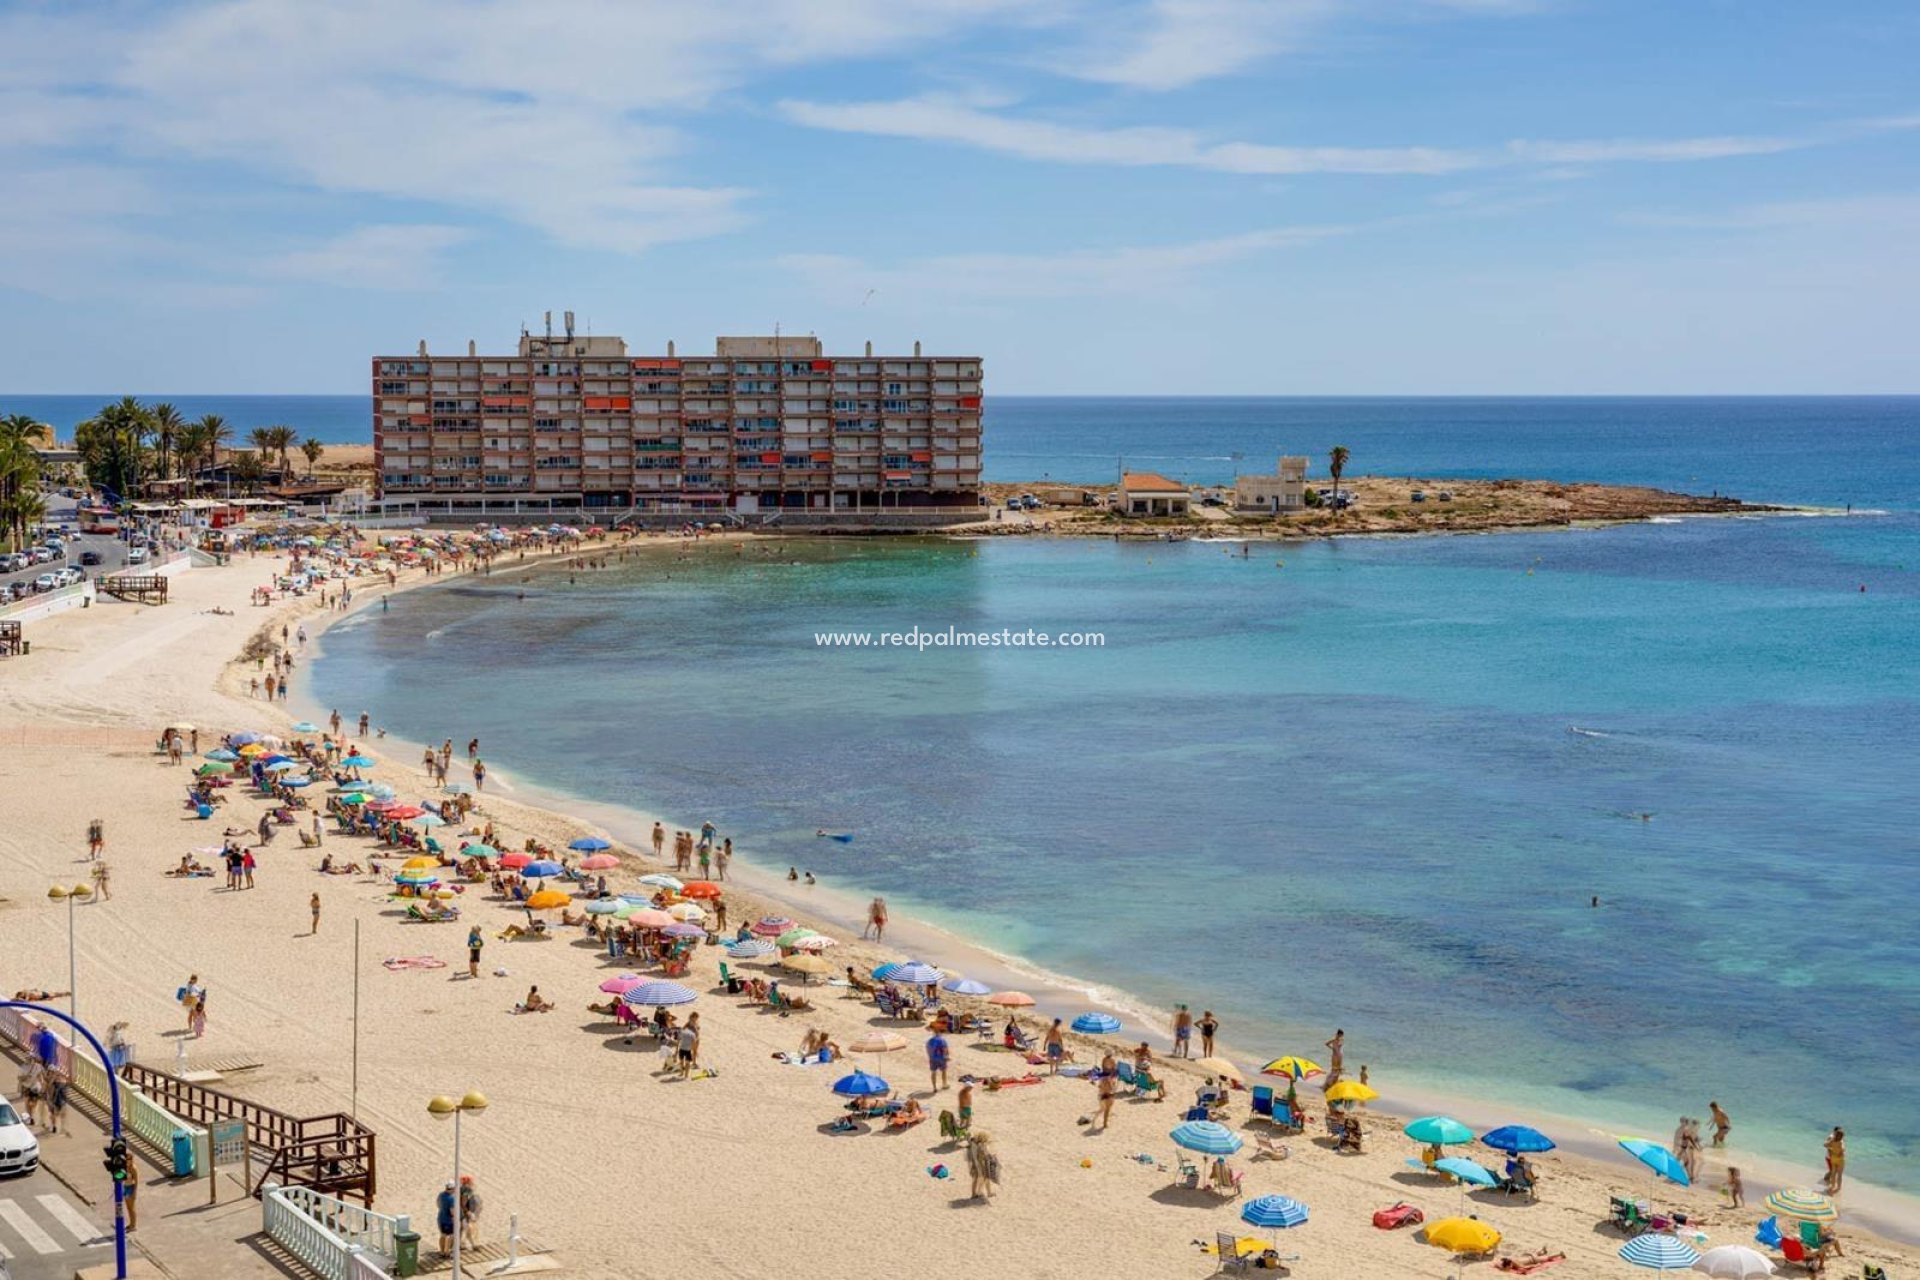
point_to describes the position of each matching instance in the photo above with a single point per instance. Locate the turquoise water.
(1371, 784)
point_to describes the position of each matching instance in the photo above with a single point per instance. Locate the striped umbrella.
(683, 930)
(792, 937)
(818, 942)
(915, 974)
(770, 926)
(1660, 1252)
(1273, 1212)
(658, 992)
(1804, 1204)
(883, 972)
(1292, 1068)
(1096, 1024)
(965, 987)
(1208, 1137)
(750, 949)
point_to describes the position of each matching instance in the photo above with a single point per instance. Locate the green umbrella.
(1439, 1130)
(211, 770)
(479, 851)
(353, 797)
(793, 936)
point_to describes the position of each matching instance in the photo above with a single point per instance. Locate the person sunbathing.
(37, 996)
(912, 1113)
(330, 867)
(609, 1009)
(757, 990)
(535, 1002)
(189, 867)
(572, 917)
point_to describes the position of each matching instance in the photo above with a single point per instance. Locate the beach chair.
(1196, 1113)
(1262, 1104)
(1227, 1248)
(1811, 1236)
(1265, 1148)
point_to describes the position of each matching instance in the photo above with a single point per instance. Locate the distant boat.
(842, 836)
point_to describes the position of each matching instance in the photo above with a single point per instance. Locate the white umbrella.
(1735, 1261)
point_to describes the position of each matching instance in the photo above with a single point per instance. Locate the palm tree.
(1337, 463)
(167, 424)
(249, 469)
(192, 441)
(20, 502)
(218, 435)
(112, 445)
(261, 438)
(312, 448)
(284, 438)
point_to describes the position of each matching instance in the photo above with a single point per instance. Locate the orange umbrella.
(1011, 999)
(701, 889)
(548, 899)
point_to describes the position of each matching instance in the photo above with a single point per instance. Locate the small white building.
(1142, 493)
(1277, 494)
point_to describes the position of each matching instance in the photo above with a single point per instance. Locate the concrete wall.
(33, 608)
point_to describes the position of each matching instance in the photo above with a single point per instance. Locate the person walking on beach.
(96, 839)
(706, 861)
(364, 719)
(937, 1054)
(725, 856)
(247, 865)
(659, 842)
(479, 775)
(1056, 1047)
(469, 1212)
(334, 720)
(272, 685)
(1721, 1125)
(1336, 1051)
(689, 1045)
(982, 1165)
(1209, 1026)
(313, 905)
(1736, 1192)
(1836, 1160)
(197, 1020)
(876, 919)
(1109, 1085)
(444, 1212)
(103, 881)
(473, 748)
(474, 943)
(1182, 1032)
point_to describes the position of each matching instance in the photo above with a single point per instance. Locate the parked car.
(89, 557)
(1013, 504)
(9, 562)
(16, 591)
(137, 555)
(1419, 495)
(46, 582)
(19, 1149)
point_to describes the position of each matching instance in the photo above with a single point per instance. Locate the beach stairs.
(143, 588)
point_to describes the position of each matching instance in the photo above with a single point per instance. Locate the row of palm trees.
(21, 506)
(127, 445)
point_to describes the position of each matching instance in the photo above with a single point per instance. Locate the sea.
(1374, 783)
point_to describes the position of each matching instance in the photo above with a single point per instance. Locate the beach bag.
(1399, 1215)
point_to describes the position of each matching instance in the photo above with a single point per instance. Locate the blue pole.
(113, 1093)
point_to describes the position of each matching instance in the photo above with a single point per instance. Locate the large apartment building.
(761, 424)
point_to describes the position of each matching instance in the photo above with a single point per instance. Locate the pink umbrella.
(650, 919)
(618, 986)
(404, 812)
(599, 862)
(770, 926)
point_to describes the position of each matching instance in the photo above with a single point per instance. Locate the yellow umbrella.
(1296, 1068)
(1221, 1067)
(805, 964)
(1351, 1091)
(1462, 1235)
(548, 899)
(420, 864)
(253, 749)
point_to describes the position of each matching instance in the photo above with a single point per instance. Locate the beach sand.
(621, 1170)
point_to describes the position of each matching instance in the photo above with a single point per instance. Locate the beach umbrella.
(1659, 1252)
(661, 880)
(357, 761)
(213, 770)
(1351, 1091)
(861, 1085)
(1208, 1137)
(878, 1041)
(648, 918)
(1658, 1159)
(818, 942)
(914, 973)
(590, 844)
(253, 749)
(354, 797)
(421, 863)
(1735, 1261)
(686, 912)
(750, 949)
(223, 755)
(1292, 1068)
(478, 851)
(1804, 1204)
(1222, 1068)
(621, 985)
(380, 791)
(965, 987)
(548, 899)
(271, 758)
(703, 889)
(1096, 1024)
(603, 906)
(456, 788)
(1467, 1171)
(296, 783)
(1462, 1235)
(883, 972)
(244, 739)
(1273, 1212)
(599, 862)
(806, 965)
(1011, 999)
(284, 766)
(1439, 1130)
(405, 812)
(793, 936)
(1514, 1138)
(514, 861)
(431, 820)
(770, 926)
(681, 930)
(305, 726)
(657, 992)
(541, 868)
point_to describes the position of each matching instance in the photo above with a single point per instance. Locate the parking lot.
(108, 553)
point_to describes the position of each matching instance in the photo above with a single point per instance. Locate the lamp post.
(79, 893)
(442, 1108)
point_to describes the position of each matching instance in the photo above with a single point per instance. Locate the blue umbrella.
(1658, 1159)
(751, 949)
(861, 1085)
(884, 972)
(283, 765)
(1441, 1130)
(296, 782)
(540, 869)
(965, 987)
(1659, 1252)
(1273, 1211)
(590, 844)
(652, 993)
(1466, 1170)
(223, 755)
(1208, 1137)
(1515, 1138)
(357, 762)
(305, 726)
(914, 973)
(242, 739)
(272, 759)
(1096, 1024)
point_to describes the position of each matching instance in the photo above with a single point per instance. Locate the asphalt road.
(112, 552)
(45, 1233)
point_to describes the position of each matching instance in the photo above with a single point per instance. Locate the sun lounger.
(1266, 1148)
(1227, 1248)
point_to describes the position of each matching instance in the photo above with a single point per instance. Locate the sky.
(1120, 197)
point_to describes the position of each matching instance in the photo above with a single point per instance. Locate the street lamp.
(441, 1108)
(79, 893)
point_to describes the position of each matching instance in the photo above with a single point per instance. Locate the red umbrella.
(599, 862)
(515, 861)
(403, 812)
(699, 889)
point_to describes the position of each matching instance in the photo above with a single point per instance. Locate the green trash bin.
(406, 1253)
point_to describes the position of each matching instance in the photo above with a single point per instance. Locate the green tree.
(113, 446)
(312, 449)
(166, 424)
(21, 504)
(1337, 463)
(249, 469)
(217, 437)
(283, 438)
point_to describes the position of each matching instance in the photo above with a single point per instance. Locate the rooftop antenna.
(569, 326)
(549, 328)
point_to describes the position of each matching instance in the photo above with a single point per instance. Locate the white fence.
(333, 1238)
(47, 603)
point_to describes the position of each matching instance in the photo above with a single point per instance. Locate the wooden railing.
(331, 1153)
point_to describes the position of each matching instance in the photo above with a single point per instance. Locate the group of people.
(712, 854)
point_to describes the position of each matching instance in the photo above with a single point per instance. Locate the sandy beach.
(620, 1169)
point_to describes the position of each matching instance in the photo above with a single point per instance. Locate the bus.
(94, 519)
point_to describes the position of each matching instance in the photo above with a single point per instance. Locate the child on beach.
(1736, 1193)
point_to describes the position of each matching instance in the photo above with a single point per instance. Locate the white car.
(19, 1149)
(137, 555)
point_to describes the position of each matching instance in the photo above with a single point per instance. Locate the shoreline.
(1888, 1212)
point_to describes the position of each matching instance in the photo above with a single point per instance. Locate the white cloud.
(1169, 44)
(377, 256)
(1654, 150)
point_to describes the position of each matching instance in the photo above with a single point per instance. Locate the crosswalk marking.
(67, 1216)
(27, 1229)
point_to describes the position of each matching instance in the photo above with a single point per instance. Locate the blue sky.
(1148, 196)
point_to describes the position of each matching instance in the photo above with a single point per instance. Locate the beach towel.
(397, 963)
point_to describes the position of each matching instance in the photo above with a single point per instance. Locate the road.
(46, 1234)
(112, 552)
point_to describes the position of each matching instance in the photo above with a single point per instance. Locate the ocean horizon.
(1371, 783)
